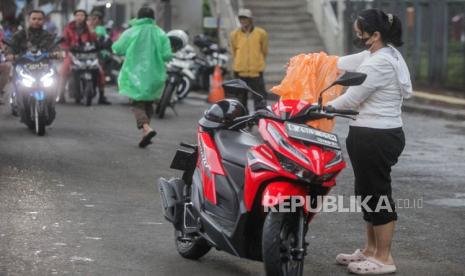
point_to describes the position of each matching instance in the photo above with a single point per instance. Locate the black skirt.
(372, 153)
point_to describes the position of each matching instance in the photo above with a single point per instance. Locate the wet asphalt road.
(83, 199)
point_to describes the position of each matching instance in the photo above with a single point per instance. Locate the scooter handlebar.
(332, 110)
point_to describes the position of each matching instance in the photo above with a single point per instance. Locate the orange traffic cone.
(216, 88)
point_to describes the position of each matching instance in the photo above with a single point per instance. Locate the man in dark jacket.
(34, 36)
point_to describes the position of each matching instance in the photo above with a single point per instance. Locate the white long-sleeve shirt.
(379, 98)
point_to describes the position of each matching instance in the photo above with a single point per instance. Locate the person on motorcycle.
(104, 41)
(33, 36)
(77, 32)
(96, 24)
(249, 47)
(142, 77)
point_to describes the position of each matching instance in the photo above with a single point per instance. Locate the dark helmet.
(202, 41)
(222, 114)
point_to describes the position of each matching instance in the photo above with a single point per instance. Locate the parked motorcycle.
(204, 66)
(175, 70)
(232, 176)
(34, 88)
(178, 40)
(188, 56)
(84, 72)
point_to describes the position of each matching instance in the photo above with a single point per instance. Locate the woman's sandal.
(147, 139)
(371, 266)
(345, 259)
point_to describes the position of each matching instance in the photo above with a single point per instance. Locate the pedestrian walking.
(249, 46)
(142, 77)
(376, 138)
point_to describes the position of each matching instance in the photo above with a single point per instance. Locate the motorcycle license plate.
(85, 56)
(36, 66)
(311, 135)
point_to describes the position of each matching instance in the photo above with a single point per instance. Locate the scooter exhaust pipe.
(172, 200)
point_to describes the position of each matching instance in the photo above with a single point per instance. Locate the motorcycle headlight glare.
(27, 82)
(47, 80)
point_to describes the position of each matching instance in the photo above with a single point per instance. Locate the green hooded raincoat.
(146, 48)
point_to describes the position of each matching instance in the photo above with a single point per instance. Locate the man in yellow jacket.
(249, 46)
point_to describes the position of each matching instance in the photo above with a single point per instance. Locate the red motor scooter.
(234, 181)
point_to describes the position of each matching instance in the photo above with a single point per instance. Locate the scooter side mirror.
(237, 84)
(240, 84)
(350, 79)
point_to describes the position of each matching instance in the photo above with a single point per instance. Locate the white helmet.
(178, 39)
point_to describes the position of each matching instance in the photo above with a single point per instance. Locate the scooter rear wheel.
(191, 247)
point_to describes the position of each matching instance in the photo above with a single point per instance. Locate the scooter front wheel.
(165, 100)
(39, 118)
(280, 244)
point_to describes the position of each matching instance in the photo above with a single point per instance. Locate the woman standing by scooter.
(376, 138)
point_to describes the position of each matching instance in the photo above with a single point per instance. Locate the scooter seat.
(233, 145)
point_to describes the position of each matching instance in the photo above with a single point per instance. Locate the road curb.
(433, 111)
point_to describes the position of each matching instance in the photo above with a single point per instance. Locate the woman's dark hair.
(388, 25)
(146, 12)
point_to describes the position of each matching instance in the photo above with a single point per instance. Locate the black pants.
(372, 153)
(258, 85)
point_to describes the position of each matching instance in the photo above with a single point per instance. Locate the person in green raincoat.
(146, 49)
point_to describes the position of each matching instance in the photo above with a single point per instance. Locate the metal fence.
(434, 36)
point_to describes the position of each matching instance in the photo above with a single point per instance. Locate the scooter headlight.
(277, 136)
(27, 83)
(26, 80)
(338, 158)
(295, 169)
(47, 80)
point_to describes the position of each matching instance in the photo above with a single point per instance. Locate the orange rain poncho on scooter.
(307, 75)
